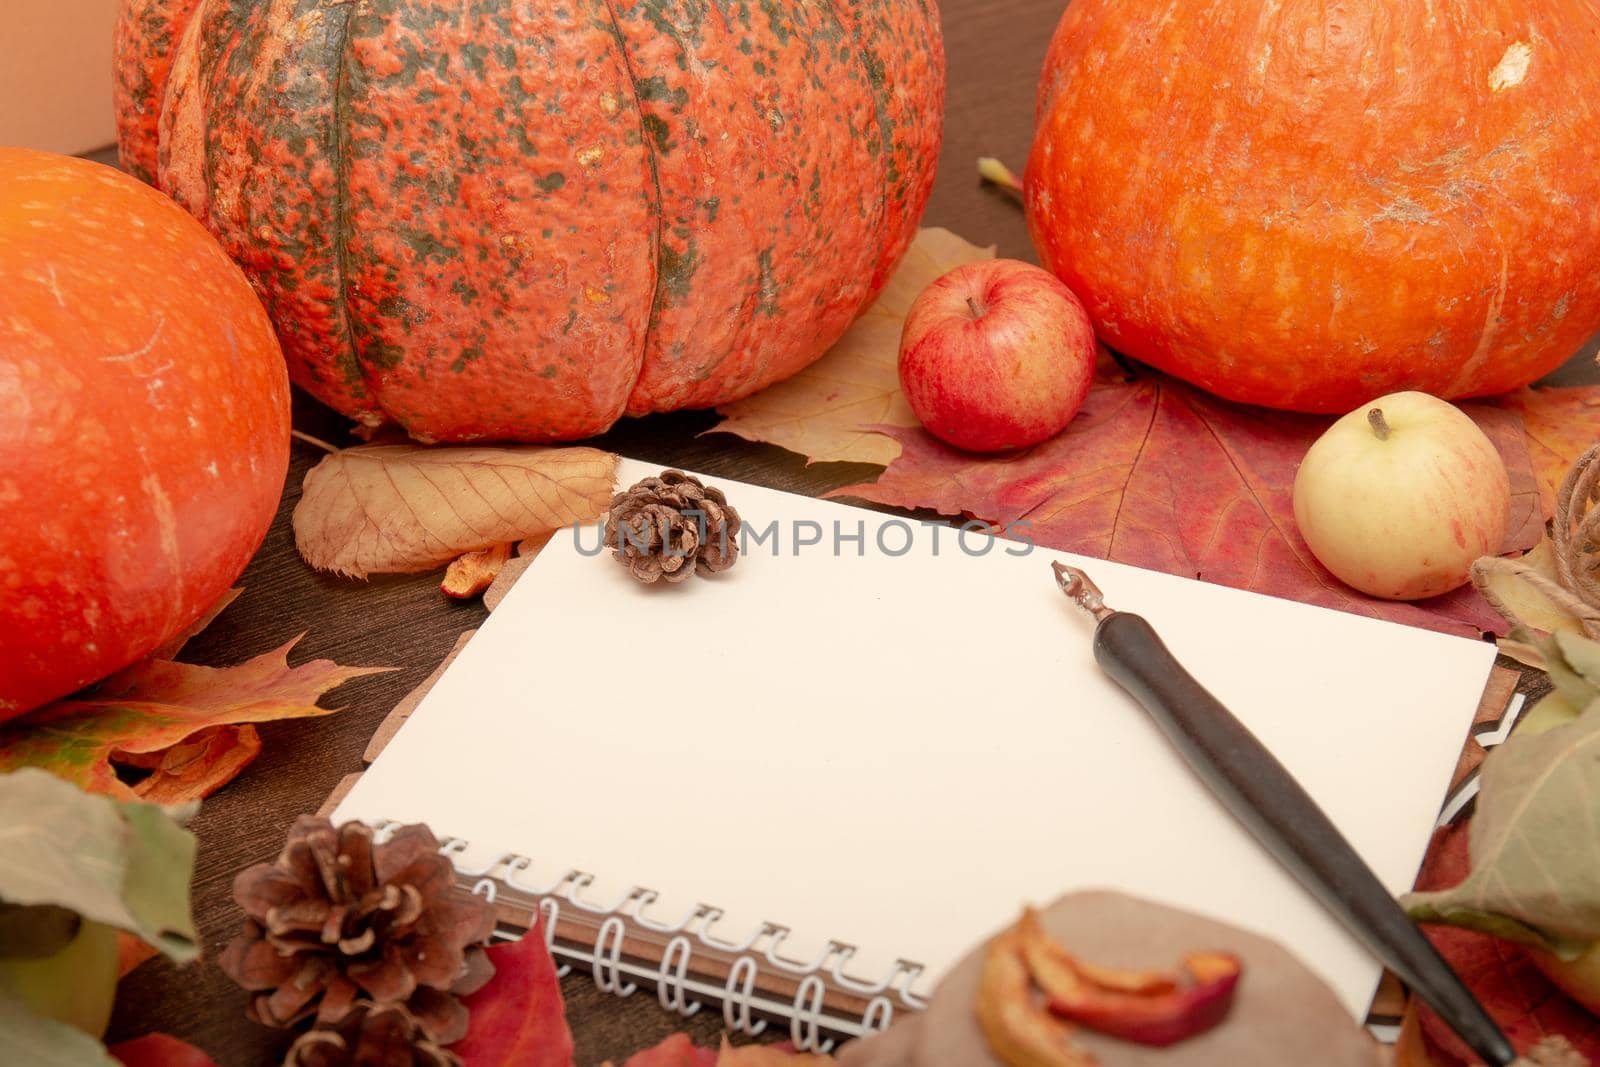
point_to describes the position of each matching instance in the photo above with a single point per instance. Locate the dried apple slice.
(1283, 1013)
(1019, 1031)
(1159, 1019)
(1148, 1007)
(1058, 972)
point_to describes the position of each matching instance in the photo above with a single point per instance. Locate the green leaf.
(26, 1038)
(125, 865)
(1568, 678)
(160, 868)
(1535, 854)
(1551, 711)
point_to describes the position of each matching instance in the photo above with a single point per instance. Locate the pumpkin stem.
(976, 308)
(317, 441)
(1379, 424)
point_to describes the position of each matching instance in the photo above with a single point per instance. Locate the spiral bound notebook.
(804, 788)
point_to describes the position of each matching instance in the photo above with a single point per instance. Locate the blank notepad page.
(899, 751)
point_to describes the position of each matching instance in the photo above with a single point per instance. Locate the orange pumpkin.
(1307, 205)
(144, 423)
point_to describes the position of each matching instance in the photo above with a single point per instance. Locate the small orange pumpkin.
(144, 423)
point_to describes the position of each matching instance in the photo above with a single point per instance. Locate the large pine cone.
(370, 1036)
(672, 527)
(337, 918)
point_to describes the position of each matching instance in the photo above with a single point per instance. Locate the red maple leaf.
(159, 1050)
(518, 1017)
(1160, 475)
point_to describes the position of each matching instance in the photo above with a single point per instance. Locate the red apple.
(996, 355)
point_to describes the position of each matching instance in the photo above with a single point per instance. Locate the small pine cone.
(336, 919)
(370, 1035)
(672, 527)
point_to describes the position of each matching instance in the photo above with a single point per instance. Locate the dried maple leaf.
(1561, 424)
(195, 767)
(386, 509)
(826, 411)
(1160, 475)
(518, 1017)
(158, 704)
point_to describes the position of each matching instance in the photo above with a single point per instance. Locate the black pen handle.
(1265, 797)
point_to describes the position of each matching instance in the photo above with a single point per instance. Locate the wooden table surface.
(994, 50)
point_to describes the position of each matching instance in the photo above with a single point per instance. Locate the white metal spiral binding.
(648, 897)
(608, 959)
(777, 936)
(736, 1003)
(879, 1014)
(549, 915)
(805, 1023)
(672, 976)
(815, 1019)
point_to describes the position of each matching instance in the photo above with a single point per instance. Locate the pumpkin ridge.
(649, 146)
(339, 123)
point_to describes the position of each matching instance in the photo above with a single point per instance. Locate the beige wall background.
(55, 74)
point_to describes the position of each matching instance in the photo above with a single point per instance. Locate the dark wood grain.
(994, 49)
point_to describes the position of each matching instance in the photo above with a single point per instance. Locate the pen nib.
(1080, 590)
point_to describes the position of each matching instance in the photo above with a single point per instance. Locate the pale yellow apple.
(1399, 497)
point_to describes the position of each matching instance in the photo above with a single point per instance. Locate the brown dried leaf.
(826, 412)
(388, 509)
(472, 572)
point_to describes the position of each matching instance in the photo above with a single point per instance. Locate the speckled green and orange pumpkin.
(524, 219)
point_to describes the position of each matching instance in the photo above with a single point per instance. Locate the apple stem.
(976, 308)
(1379, 424)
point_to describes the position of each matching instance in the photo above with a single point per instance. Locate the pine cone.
(337, 918)
(672, 527)
(370, 1036)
